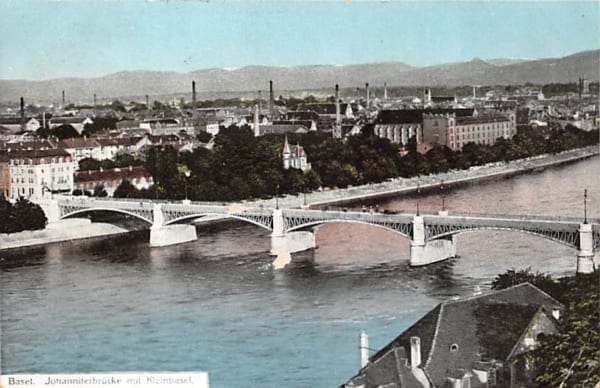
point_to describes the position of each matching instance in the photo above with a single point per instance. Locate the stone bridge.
(432, 237)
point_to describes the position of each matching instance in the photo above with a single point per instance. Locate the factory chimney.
(368, 95)
(337, 131)
(385, 91)
(256, 120)
(22, 113)
(193, 94)
(63, 98)
(147, 102)
(94, 103)
(271, 100)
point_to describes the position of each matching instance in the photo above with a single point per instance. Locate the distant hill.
(139, 83)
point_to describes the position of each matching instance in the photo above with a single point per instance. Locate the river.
(216, 305)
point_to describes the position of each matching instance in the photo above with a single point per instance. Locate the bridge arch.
(189, 217)
(571, 239)
(107, 209)
(405, 233)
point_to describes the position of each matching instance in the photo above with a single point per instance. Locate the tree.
(99, 191)
(571, 358)
(126, 190)
(64, 131)
(513, 277)
(23, 215)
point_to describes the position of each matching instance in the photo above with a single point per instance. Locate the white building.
(294, 157)
(36, 173)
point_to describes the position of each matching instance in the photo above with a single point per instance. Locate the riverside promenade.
(405, 186)
(74, 229)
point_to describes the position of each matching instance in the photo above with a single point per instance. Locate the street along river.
(216, 304)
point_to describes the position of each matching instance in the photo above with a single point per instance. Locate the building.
(399, 125)
(110, 179)
(455, 131)
(81, 148)
(294, 157)
(36, 173)
(473, 342)
(4, 175)
(16, 123)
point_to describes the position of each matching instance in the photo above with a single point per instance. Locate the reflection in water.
(216, 304)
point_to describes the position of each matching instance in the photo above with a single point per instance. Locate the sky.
(44, 39)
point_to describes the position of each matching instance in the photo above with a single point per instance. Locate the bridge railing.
(522, 217)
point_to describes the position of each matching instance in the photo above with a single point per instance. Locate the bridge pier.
(424, 252)
(284, 244)
(585, 254)
(162, 235)
(51, 208)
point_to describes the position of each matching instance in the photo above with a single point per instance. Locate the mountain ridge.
(497, 71)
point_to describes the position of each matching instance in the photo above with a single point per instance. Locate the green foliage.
(120, 161)
(570, 358)
(23, 215)
(126, 190)
(64, 131)
(99, 191)
(542, 281)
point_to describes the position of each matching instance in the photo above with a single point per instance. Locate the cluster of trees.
(570, 358)
(241, 166)
(20, 216)
(120, 161)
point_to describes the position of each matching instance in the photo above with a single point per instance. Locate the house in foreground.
(467, 343)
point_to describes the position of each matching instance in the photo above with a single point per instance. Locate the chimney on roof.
(271, 100)
(368, 93)
(415, 352)
(364, 349)
(193, 94)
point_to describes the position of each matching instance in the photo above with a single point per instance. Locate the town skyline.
(93, 39)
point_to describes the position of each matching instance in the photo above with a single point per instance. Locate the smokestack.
(95, 103)
(368, 95)
(474, 92)
(415, 352)
(63, 97)
(256, 120)
(259, 99)
(337, 130)
(193, 94)
(385, 91)
(364, 349)
(22, 113)
(147, 102)
(44, 119)
(271, 98)
(357, 95)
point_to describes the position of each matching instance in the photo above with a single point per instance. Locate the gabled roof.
(112, 174)
(78, 142)
(457, 334)
(415, 116)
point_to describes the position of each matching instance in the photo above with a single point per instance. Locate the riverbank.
(64, 230)
(72, 229)
(424, 184)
